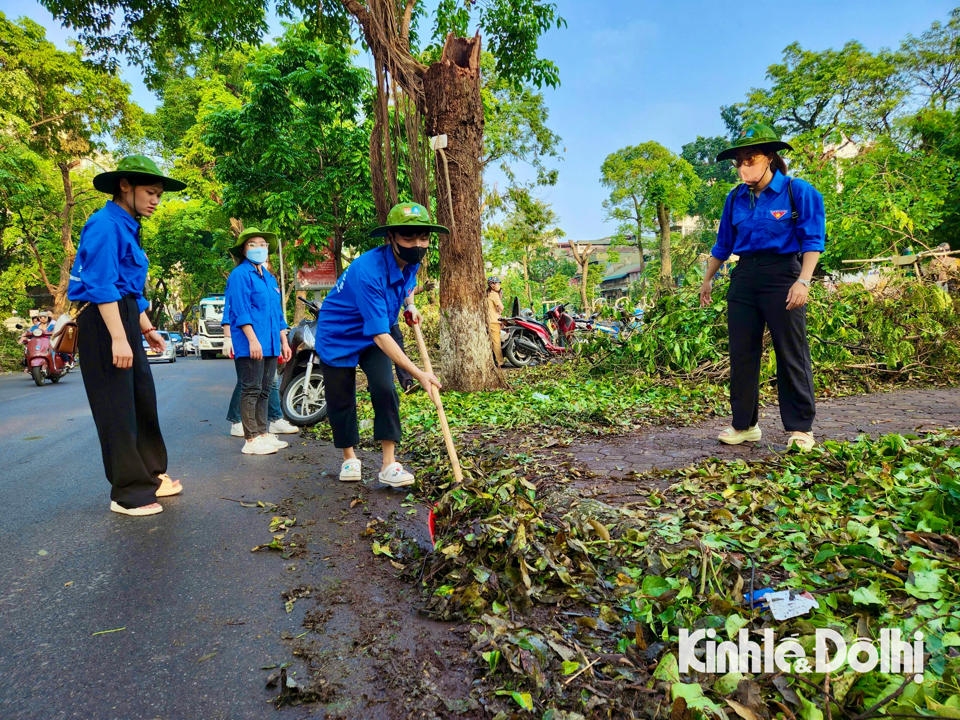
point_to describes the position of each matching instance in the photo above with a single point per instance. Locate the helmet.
(492, 280)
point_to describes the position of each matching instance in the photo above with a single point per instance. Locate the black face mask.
(411, 255)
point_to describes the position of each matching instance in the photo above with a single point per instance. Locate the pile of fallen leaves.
(907, 334)
(581, 602)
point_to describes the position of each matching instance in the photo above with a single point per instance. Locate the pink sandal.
(168, 486)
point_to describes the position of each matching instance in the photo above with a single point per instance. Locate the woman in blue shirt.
(253, 308)
(776, 224)
(354, 325)
(108, 275)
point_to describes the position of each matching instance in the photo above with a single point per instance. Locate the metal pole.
(283, 284)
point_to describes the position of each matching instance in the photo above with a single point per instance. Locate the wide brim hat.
(139, 170)
(271, 238)
(757, 135)
(408, 215)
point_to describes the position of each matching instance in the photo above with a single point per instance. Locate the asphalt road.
(202, 614)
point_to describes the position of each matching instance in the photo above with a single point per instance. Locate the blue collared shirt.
(110, 263)
(364, 303)
(254, 300)
(763, 224)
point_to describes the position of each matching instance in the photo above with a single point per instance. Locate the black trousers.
(757, 298)
(403, 376)
(340, 384)
(124, 407)
(256, 382)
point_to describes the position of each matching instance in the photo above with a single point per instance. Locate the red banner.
(320, 276)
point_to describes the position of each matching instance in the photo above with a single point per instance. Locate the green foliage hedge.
(909, 330)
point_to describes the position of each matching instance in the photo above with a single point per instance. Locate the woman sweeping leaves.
(354, 323)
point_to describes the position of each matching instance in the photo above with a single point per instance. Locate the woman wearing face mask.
(108, 275)
(355, 322)
(776, 224)
(254, 309)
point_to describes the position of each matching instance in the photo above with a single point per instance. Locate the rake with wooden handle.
(435, 396)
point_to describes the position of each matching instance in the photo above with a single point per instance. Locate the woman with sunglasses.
(354, 323)
(777, 225)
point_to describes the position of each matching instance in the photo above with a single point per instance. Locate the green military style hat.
(138, 170)
(408, 215)
(756, 134)
(271, 238)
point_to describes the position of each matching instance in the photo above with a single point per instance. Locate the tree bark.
(638, 207)
(453, 108)
(31, 241)
(66, 236)
(338, 250)
(583, 262)
(526, 278)
(666, 266)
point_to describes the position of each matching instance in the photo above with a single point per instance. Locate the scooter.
(626, 323)
(40, 360)
(527, 340)
(302, 395)
(563, 323)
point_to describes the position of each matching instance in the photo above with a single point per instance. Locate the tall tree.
(446, 95)
(628, 202)
(581, 255)
(529, 225)
(932, 62)
(295, 155)
(60, 106)
(825, 100)
(667, 182)
(515, 134)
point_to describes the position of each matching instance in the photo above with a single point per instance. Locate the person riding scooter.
(44, 323)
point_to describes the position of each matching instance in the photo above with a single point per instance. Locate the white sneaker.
(273, 440)
(258, 446)
(283, 427)
(395, 476)
(236, 429)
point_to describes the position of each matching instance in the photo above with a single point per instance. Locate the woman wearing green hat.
(354, 323)
(109, 274)
(777, 225)
(253, 307)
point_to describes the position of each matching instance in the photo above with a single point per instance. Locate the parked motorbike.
(302, 396)
(40, 360)
(527, 340)
(627, 323)
(562, 323)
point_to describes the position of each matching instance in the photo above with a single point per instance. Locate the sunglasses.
(749, 160)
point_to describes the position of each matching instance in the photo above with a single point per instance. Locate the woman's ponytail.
(778, 163)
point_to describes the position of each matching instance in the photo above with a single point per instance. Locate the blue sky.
(636, 71)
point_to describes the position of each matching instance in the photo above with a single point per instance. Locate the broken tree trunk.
(582, 258)
(453, 108)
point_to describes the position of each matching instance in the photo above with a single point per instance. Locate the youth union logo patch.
(777, 214)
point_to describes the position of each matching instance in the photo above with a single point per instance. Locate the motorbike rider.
(44, 322)
(355, 321)
(494, 313)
